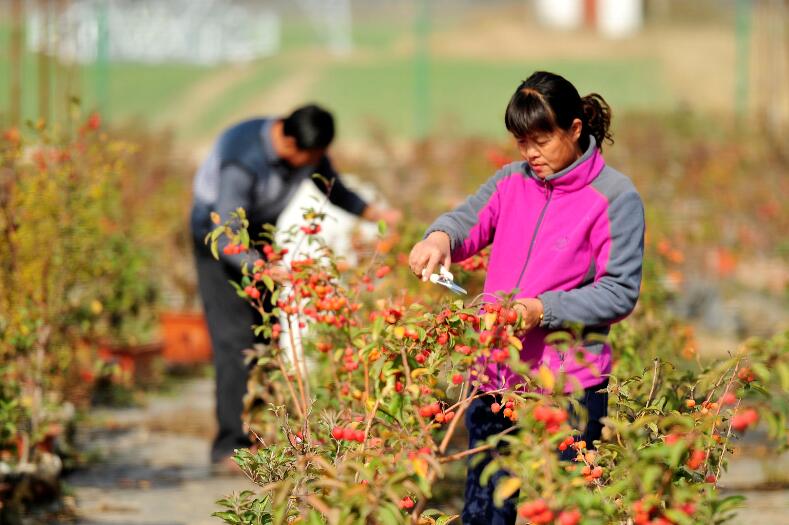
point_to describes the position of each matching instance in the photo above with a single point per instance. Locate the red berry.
(495, 408)
(744, 419)
(383, 271)
(348, 434)
(457, 379)
(696, 459)
(569, 517)
(728, 398)
(406, 503)
(358, 435)
(337, 433)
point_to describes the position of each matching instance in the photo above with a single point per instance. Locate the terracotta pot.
(186, 338)
(135, 361)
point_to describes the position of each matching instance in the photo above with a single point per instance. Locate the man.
(257, 165)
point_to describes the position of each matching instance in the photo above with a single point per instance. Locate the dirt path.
(155, 468)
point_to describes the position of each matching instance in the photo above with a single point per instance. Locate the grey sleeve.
(235, 189)
(613, 294)
(338, 194)
(471, 225)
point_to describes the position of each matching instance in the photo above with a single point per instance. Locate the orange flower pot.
(186, 339)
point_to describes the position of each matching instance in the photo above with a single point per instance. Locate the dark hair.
(311, 126)
(545, 101)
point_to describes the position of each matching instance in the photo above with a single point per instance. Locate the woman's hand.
(531, 311)
(426, 254)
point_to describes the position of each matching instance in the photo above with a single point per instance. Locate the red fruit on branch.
(358, 435)
(442, 339)
(728, 398)
(499, 356)
(569, 517)
(745, 375)
(383, 271)
(94, 121)
(406, 503)
(457, 379)
(744, 419)
(696, 459)
(495, 408)
(337, 433)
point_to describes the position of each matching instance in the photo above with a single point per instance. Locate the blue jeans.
(482, 423)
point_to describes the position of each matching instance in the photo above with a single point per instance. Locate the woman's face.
(549, 153)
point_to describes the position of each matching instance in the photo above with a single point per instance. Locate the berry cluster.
(347, 434)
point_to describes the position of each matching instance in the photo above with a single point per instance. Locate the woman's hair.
(311, 126)
(546, 101)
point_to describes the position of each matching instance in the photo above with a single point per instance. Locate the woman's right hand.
(427, 254)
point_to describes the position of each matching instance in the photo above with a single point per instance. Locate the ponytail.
(546, 101)
(596, 119)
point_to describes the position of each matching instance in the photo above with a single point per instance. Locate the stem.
(290, 387)
(442, 448)
(471, 451)
(654, 383)
(297, 366)
(728, 431)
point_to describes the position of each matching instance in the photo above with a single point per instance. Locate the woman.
(567, 235)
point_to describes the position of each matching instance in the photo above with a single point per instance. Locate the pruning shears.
(445, 278)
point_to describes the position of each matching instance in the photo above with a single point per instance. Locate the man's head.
(302, 138)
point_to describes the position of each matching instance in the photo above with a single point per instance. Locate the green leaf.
(215, 250)
(381, 228)
(269, 282)
(228, 516)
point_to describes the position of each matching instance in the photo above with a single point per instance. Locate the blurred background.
(700, 97)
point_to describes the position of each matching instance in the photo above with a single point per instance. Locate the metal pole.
(43, 62)
(16, 51)
(422, 69)
(743, 38)
(102, 57)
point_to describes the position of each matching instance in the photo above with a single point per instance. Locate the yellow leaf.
(96, 307)
(490, 320)
(514, 341)
(399, 332)
(546, 377)
(505, 489)
(215, 217)
(420, 467)
(419, 372)
(370, 404)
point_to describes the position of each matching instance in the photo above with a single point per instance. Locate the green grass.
(211, 118)
(467, 96)
(142, 90)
